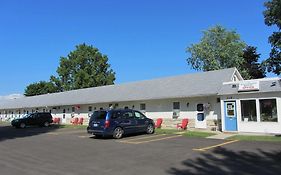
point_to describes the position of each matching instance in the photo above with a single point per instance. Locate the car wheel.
(46, 124)
(150, 129)
(118, 133)
(22, 125)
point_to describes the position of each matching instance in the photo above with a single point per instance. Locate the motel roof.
(182, 86)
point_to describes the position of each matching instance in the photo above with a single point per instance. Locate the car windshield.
(25, 116)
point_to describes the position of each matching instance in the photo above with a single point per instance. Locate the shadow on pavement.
(224, 161)
(8, 132)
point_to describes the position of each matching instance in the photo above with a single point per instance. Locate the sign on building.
(249, 86)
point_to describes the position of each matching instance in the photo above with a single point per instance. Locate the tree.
(82, 68)
(218, 49)
(251, 57)
(39, 88)
(272, 16)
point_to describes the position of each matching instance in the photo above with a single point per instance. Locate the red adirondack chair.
(183, 124)
(54, 120)
(58, 120)
(80, 122)
(158, 123)
(74, 121)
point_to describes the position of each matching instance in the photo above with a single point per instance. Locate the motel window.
(268, 110)
(200, 107)
(90, 108)
(248, 110)
(176, 105)
(142, 107)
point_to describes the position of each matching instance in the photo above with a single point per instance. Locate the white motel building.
(210, 100)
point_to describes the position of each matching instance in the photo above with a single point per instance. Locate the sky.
(143, 39)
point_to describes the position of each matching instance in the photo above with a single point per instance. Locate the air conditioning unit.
(176, 114)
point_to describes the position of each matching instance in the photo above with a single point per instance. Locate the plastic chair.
(74, 121)
(54, 120)
(80, 122)
(58, 120)
(158, 123)
(183, 124)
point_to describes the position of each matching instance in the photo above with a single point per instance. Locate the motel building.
(214, 100)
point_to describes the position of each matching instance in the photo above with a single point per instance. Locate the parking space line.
(153, 140)
(140, 138)
(85, 136)
(214, 146)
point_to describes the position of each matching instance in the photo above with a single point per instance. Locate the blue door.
(230, 116)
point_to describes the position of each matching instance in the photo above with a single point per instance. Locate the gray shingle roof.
(265, 85)
(189, 85)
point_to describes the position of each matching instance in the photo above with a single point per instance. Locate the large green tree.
(251, 57)
(219, 48)
(39, 88)
(272, 17)
(82, 68)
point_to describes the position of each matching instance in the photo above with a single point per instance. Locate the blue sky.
(143, 39)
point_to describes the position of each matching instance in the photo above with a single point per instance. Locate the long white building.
(211, 100)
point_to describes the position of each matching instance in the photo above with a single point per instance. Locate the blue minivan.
(117, 122)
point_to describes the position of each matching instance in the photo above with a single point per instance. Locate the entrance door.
(200, 121)
(230, 116)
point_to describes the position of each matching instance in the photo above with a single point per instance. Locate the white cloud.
(11, 96)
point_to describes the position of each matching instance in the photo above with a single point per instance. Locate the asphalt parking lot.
(36, 151)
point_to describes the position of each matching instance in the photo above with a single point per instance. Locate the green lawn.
(184, 133)
(256, 138)
(198, 134)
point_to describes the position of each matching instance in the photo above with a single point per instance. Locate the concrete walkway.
(222, 136)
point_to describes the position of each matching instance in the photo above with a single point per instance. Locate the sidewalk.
(222, 136)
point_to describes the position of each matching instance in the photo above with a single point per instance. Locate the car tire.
(22, 125)
(150, 129)
(118, 133)
(46, 124)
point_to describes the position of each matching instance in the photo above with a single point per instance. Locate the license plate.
(96, 125)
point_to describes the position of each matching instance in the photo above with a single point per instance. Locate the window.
(268, 110)
(90, 108)
(200, 107)
(73, 109)
(142, 107)
(139, 115)
(116, 115)
(200, 117)
(128, 115)
(63, 111)
(176, 105)
(248, 110)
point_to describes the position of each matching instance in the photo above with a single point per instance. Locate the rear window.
(99, 115)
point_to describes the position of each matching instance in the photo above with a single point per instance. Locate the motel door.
(230, 116)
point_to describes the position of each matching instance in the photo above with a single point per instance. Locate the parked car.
(39, 118)
(117, 122)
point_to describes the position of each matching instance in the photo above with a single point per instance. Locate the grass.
(197, 134)
(256, 138)
(166, 131)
